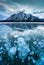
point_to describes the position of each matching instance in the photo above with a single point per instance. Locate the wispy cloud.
(7, 10)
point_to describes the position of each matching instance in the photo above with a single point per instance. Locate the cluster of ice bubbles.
(25, 47)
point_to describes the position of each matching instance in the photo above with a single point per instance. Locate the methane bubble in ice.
(12, 52)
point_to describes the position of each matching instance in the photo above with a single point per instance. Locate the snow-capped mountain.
(22, 16)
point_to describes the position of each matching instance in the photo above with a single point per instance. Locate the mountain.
(21, 16)
(24, 17)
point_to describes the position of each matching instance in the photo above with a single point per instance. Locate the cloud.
(7, 10)
(31, 3)
(39, 13)
(8, 7)
(5, 7)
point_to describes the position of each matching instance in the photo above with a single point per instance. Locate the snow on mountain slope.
(19, 16)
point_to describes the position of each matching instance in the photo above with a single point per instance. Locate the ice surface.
(26, 45)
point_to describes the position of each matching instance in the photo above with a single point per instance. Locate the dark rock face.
(23, 47)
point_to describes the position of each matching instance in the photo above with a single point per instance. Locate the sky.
(8, 7)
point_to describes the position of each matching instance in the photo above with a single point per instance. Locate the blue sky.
(8, 7)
